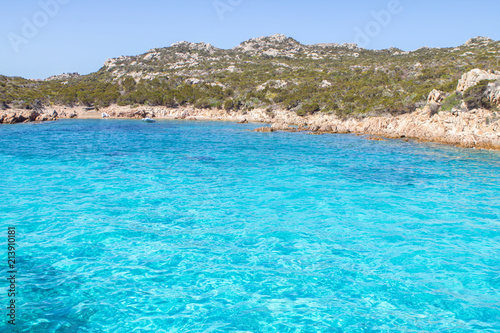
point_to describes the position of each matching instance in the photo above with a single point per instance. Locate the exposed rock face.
(272, 46)
(493, 92)
(65, 76)
(431, 109)
(476, 129)
(478, 40)
(350, 46)
(46, 117)
(23, 116)
(204, 47)
(435, 96)
(278, 84)
(193, 80)
(473, 77)
(433, 102)
(325, 84)
(183, 115)
(110, 63)
(281, 126)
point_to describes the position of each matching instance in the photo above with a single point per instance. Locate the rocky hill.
(277, 72)
(197, 59)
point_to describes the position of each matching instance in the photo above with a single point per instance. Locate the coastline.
(478, 128)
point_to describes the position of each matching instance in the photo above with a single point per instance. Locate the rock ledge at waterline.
(477, 128)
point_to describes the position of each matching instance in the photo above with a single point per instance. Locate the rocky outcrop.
(433, 102)
(478, 41)
(493, 93)
(325, 84)
(472, 78)
(65, 76)
(349, 46)
(475, 76)
(476, 129)
(203, 47)
(16, 116)
(435, 96)
(471, 129)
(272, 46)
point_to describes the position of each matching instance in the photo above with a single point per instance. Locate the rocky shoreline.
(478, 128)
(467, 125)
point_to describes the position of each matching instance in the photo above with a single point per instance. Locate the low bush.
(451, 102)
(475, 97)
(308, 108)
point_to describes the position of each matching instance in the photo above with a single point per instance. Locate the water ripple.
(207, 227)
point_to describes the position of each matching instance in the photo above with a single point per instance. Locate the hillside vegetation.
(269, 72)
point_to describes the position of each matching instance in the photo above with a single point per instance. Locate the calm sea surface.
(207, 227)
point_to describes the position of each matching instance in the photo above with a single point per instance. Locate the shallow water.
(208, 227)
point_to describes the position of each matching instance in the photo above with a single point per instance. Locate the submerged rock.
(375, 138)
(264, 130)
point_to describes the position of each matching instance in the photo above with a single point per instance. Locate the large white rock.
(473, 77)
(325, 84)
(435, 96)
(197, 46)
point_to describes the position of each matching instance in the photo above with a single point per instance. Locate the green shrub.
(169, 100)
(228, 104)
(450, 102)
(202, 104)
(215, 103)
(449, 87)
(475, 98)
(331, 107)
(308, 108)
(291, 103)
(301, 113)
(124, 100)
(128, 84)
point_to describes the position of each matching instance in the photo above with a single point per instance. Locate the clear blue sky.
(80, 35)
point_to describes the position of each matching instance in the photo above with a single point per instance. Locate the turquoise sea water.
(208, 227)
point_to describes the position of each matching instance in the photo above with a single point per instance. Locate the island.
(446, 95)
